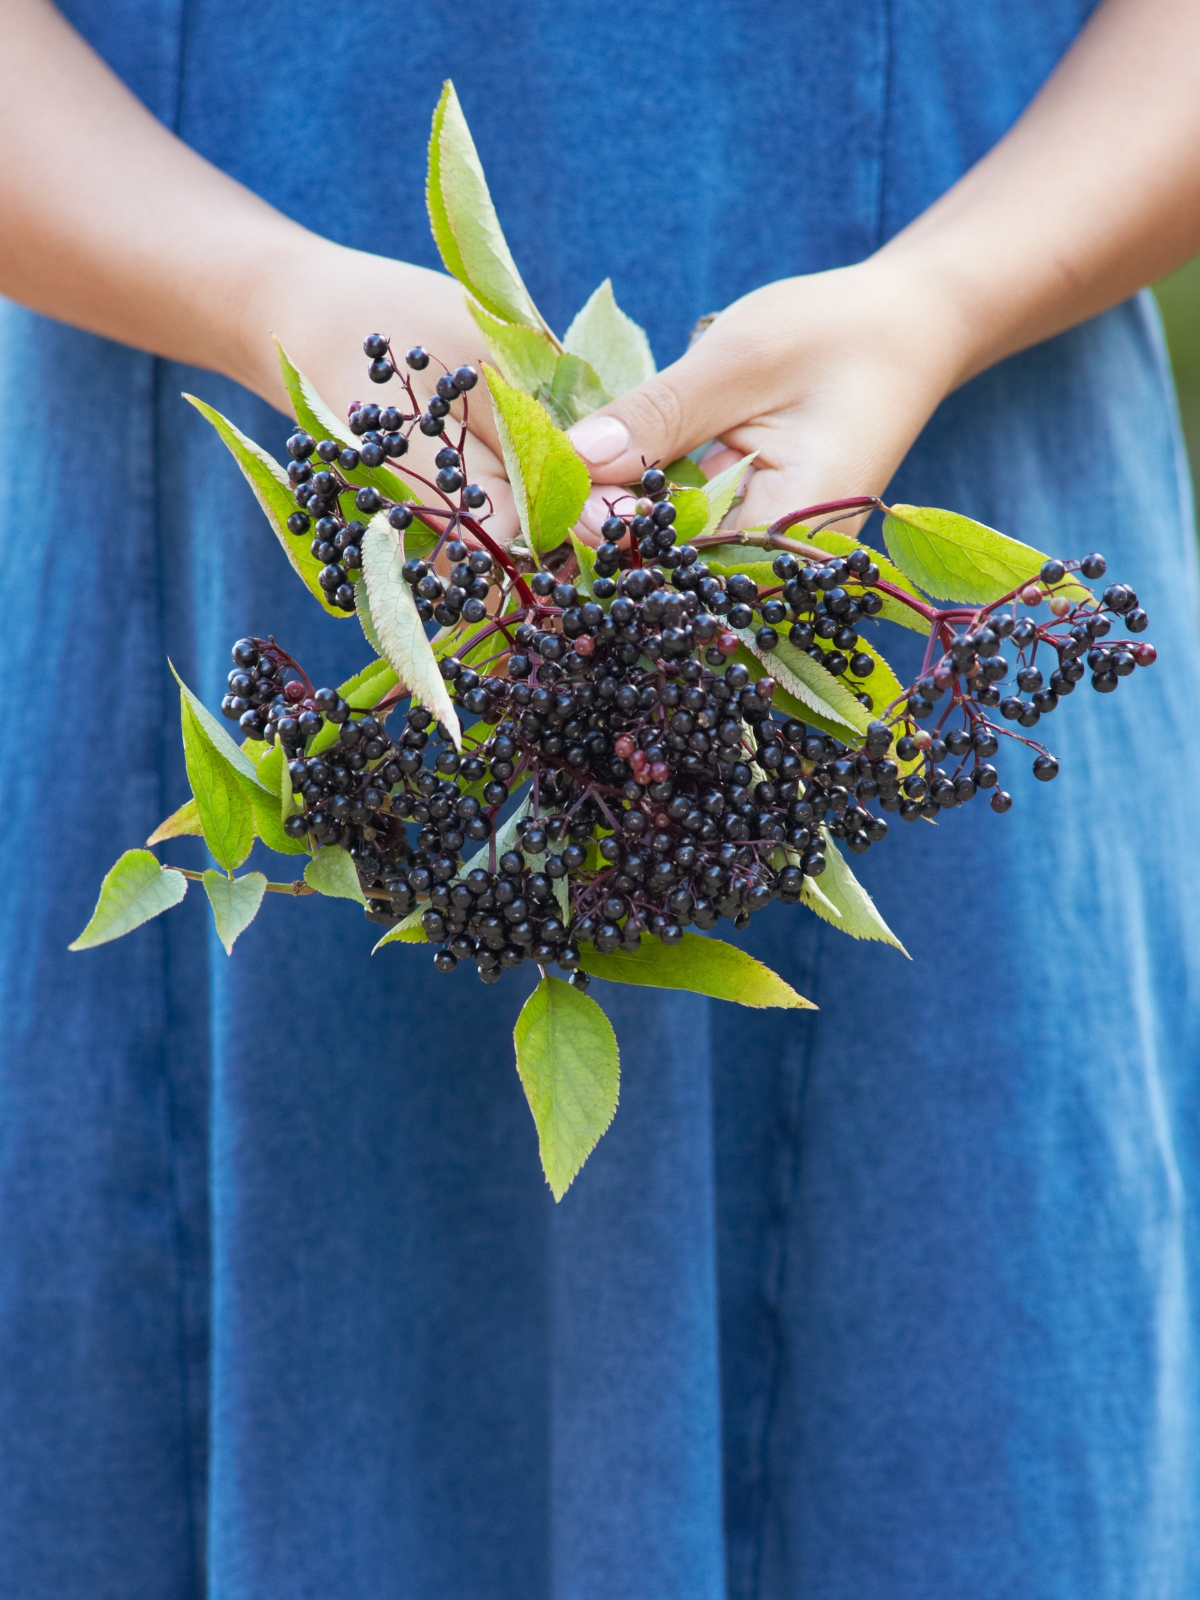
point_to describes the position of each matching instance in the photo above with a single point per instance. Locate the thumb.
(659, 421)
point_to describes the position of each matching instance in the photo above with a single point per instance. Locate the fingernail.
(602, 501)
(600, 439)
(594, 512)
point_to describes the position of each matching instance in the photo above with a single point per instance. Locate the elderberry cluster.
(270, 696)
(464, 597)
(383, 435)
(973, 670)
(667, 785)
(825, 601)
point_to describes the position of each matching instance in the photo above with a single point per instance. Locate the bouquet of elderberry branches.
(597, 750)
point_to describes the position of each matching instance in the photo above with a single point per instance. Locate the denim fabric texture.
(891, 1301)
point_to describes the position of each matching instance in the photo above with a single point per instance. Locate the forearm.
(111, 223)
(1094, 193)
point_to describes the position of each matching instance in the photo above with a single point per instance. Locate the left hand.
(829, 378)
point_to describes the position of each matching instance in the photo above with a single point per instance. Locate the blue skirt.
(883, 1302)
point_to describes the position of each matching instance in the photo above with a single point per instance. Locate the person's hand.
(322, 300)
(829, 378)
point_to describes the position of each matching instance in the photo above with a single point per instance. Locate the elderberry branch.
(499, 554)
(642, 735)
(295, 887)
(858, 502)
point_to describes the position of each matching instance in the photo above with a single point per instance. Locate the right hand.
(322, 302)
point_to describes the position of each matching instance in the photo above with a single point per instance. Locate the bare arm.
(113, 224)
(1094, 192)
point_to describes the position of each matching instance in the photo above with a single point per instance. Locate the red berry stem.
(500, 555)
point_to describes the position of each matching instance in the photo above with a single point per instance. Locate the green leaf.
(458, 638)
(217, 736)
(225, 811)
(685, 473)
(321, 422)
(274, 494)
(723, 559)
(840, 544)
(700, 509)
(332, 872)
(854, 910)
(882, 685)
(267, 767)
(529, 360)
(721, 491)
(549, 480)
(464, 219)
(235, 903)
(814, 896)
(821, 694)
(613, 344)
(784, 702)
(702, 965)
(137, 888)
(407, 931)
(401, 632)
(267, 822)
(953, 558)
(254, 750)
(586, 557)
(691, 514)
(570, 1069)
(526, 356)
(562, 890)
(575, 392)
(179, 824)
(362, 607)
(366, 689)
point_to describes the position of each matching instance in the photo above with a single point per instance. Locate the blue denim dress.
(888, 1302)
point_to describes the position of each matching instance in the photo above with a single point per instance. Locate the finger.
(664, 417)
(499, 517)
(604, 501)
(773, 493)
(803, 462)
(502, 523)
(717, 458)
(487, 470)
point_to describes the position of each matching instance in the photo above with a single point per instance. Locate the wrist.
(281, 283)
(298, 279)
(928, 325)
